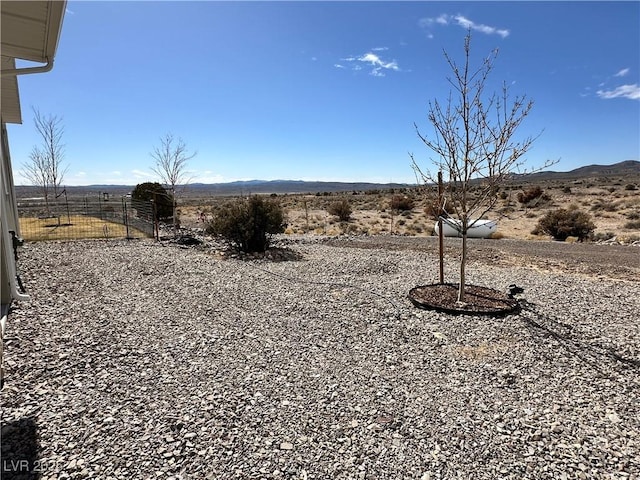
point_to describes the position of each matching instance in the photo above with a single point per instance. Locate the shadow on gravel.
(20, 448)
(544, 325)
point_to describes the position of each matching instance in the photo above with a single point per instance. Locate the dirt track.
(595, 260)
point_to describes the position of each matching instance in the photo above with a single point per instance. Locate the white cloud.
(622, 72)
(377, 65)
(446, 19)
(625, 91)
(441, 20)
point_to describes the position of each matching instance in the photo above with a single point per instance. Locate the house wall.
(8, 220)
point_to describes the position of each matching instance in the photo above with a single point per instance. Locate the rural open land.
(146, 360)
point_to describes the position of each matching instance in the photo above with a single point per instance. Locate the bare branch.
(474, 142)
(51, 130)
(45, 168)
(171, 161)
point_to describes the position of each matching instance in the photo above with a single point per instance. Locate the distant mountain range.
(628, 167)
(621, 169)
(288, 186)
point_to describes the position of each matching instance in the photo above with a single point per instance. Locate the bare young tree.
(171, 161)
(474, 143)
(37, 172)
(45, 167)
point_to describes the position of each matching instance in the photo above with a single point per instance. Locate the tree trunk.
(174, 207)
(463, 262)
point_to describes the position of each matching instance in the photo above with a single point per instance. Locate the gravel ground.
(600, 260)
(142, 360)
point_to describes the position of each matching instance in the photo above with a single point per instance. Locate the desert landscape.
(159, 359)
(609, 194)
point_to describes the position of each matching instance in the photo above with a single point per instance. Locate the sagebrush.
(563, 223)
(249, 223)
(401, 203)
(340, 209)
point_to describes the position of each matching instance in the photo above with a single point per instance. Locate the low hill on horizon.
(247, 187)
(616, 169)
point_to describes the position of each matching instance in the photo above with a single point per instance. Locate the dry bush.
(401, 203)
(606, 206)
(249, 223)
(563, 223)
(601, 236)
(340, 209)
(632, 225)
(529, 194)
(432, 210)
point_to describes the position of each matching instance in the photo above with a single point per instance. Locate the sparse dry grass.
(76, 227)
(610, 204)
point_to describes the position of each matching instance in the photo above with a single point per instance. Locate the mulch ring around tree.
(478, 300)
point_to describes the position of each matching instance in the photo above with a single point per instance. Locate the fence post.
(156, 227)
(125, 217)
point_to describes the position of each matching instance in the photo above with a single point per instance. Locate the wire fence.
(85, 217)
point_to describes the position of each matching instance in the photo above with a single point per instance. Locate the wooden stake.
(440, 232)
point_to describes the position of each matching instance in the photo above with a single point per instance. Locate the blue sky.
(324, 90)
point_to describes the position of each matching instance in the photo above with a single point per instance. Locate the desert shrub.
(566, 189)
(340, 209)
(417, 227)
(633, 225)
(630, 186)
(154, 191)
(350, 228)
(633, 215)
(599, 237)
(605, 206)
(506, 210)
(401, 203)
(432, 211)
(249, 223)
(529, 194)
(629, 238)
(563, 223)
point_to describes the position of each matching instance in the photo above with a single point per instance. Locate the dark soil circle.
(443, 297)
